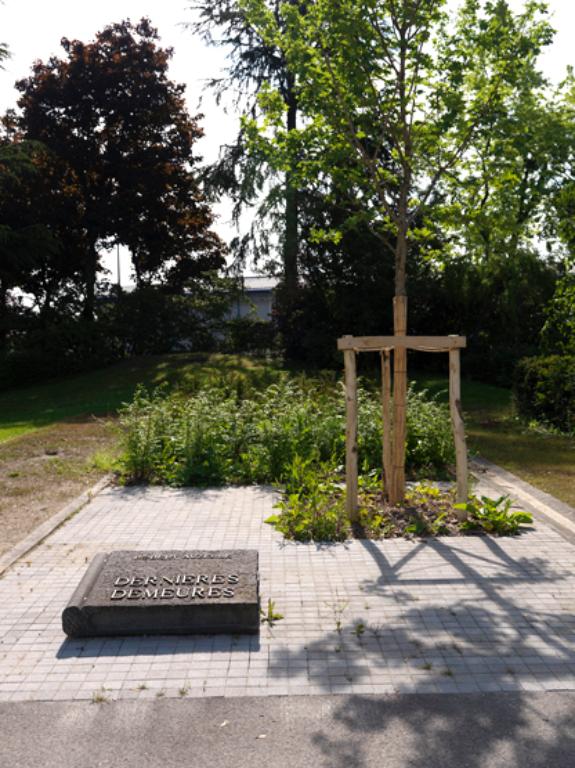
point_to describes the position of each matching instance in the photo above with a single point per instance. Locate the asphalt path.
(515, 730)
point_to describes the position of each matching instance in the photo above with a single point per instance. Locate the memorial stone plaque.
(166, 592)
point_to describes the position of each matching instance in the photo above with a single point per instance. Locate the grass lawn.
(545, 460)
(42, 471)
(62, 449)
(103, 391)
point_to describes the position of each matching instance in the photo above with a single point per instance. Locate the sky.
(32, 29)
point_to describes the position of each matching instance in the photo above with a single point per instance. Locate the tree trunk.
(386, 418)
(291, 245)
(90, 271)
(3, 317)
(290, 331)
(47, 303)
(396, 491)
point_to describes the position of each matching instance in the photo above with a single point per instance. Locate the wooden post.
(397, 489)
(395, 428)
(385, 404)
(351, 504)
(458, 425)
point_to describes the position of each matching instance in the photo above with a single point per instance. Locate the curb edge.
(44, 530)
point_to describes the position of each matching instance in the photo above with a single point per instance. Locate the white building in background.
(257, 297)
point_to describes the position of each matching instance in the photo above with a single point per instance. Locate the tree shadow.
(486, 638)
(514, 730)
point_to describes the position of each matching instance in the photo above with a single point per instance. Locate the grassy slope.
(101, 392)
(547, 461)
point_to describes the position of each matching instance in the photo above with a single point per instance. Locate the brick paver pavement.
(448, 615)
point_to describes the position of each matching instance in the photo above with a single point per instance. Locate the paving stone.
(496, 612)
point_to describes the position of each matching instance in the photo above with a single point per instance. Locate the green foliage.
(221, 434)
(120, 128)
(498, 204)
(60, 348)
(239, 172)
(150, 320)
(100, 153)
(429, 446)
(480, 296)
(38, 202)
(313, 506)
(359, 629)
(493, 516)
(315, 511)
(418, 526)
(439, 122)
(400, 87)
(102, 392)
(558, 333)
(428, 511)
(247, 334)
(428, 434)
(544, 389)
(212, 437)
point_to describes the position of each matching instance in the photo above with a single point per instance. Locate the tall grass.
(218, 436)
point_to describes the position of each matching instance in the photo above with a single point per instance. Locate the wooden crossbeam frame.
(419, 343)
(351, 346)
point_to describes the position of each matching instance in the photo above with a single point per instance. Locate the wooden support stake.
(422, 343)
(385, 403)
(351, 502)
(458, 425)
(397, 489)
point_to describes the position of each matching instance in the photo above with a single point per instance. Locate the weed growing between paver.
(270, 615)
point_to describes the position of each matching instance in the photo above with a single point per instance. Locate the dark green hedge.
(544, 389)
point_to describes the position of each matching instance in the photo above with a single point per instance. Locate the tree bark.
(351, 479)
(386, 419)
(90, 272)
(396, 491)
(291, 244)
(3, 317)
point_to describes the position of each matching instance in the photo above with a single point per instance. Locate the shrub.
(558, 333)
(153, 320)
(59, 349)
(544, 389)
(217, 436)
(149, 320)
(429, 437)
(248, 334)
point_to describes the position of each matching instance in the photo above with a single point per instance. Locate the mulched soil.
(421, 515)
(42, 471)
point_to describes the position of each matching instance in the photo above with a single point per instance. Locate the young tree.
(109, 110)
(397, 75)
